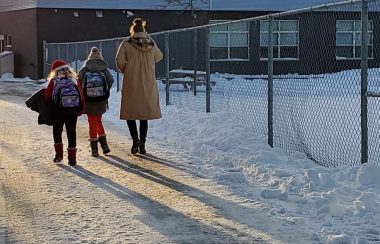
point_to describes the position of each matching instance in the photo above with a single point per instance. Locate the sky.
(338, 204)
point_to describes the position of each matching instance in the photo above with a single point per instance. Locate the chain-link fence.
(299, 77)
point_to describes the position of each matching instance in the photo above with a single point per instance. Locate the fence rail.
(308, 79)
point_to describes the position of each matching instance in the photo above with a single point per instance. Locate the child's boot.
(94, 147)
(58, 147)
(103, 143)
(72, 156)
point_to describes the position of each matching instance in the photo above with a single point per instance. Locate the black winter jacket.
(37, 103)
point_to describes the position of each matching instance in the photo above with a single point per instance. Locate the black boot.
(135, 145)
(94, 148)
(142, 146)
(104, 144)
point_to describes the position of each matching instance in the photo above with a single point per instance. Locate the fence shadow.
(4, 236)
(228, 209)
(175, 221)
(168, 163)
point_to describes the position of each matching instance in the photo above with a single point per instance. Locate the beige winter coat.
(136, 59)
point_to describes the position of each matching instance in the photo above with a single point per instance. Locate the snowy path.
(113, 199)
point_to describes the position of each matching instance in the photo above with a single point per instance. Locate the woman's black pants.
(133, 129)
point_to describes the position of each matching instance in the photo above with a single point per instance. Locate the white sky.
(338, 205)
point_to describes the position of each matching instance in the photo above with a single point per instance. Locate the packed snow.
(339, 205)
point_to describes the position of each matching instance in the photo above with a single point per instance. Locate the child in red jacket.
(66, 99)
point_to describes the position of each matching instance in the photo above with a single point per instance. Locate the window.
(76, 14)
(99, 14)
(229, 41)
(8, 40)
(348, 39)
(285, 39)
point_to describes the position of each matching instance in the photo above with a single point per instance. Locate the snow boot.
(58, 147)
(103, 142)
(135, 145)
(72, 156)
(94, 148)
(142, 146)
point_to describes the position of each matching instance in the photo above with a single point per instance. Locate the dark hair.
(138, 26)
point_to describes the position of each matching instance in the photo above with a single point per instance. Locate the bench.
(187, 82)
(186, 78)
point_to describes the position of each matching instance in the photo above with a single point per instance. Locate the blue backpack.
(66, 95)
(95, 87)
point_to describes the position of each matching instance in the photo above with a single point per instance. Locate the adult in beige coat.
(136, 59)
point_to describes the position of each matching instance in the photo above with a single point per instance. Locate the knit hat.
(59, 64)
(95, 54)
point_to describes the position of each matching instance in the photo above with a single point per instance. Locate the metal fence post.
(76, 57)
(45, 58)
(270, 82)
(67, 53)
(195, 61)
(116, 69)
(167, 64)
(59, 51)
(117, 81)
(87, 51)
(364, 81)
(208, 98)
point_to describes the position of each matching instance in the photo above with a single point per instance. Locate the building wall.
(317, 47)
(21, 24)
(182, 45)
(60, 25)
(317, 55)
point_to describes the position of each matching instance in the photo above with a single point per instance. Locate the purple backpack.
(66, 94)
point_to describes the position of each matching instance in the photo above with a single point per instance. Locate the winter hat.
(59, 64)
(95, 54)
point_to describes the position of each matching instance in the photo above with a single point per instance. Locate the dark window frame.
(2, 43)
(277, 46)
(8, 40)
(356, 31)
(229, 47)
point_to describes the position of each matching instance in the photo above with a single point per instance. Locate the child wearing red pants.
(96, 81)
